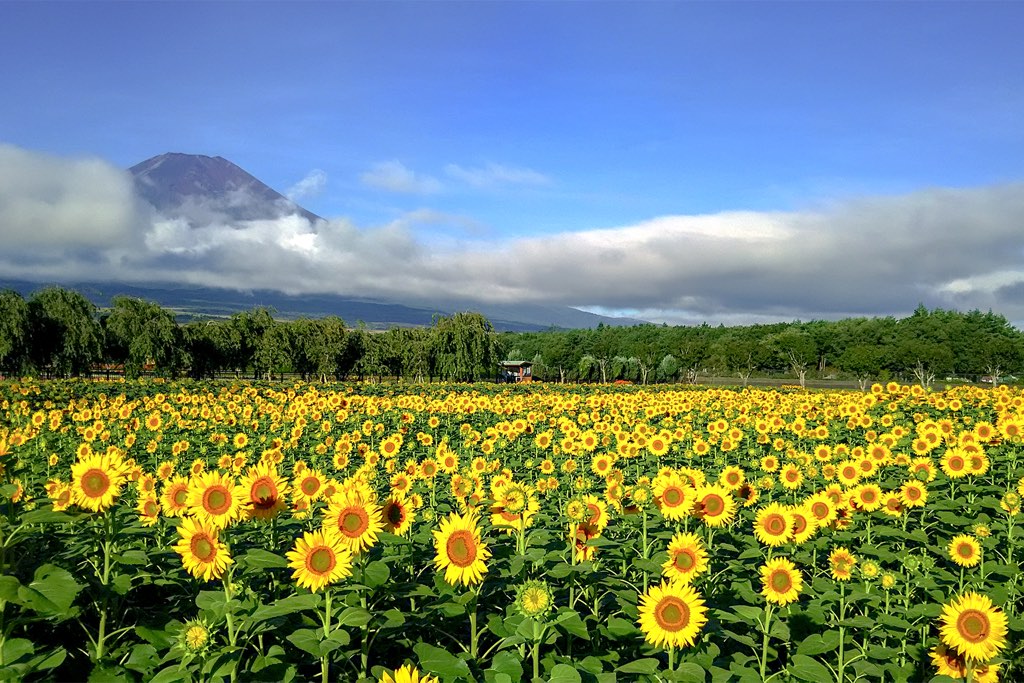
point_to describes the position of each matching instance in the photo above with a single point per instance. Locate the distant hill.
(191, 303)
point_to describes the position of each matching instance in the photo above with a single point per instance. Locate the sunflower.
(714, 505)
(406, 674)
(671, 614)
(202, 554)
(964, 550)
(868, 497)
(194, 636)
(914, 494)
(732, 477)
(781, 581)
(215, 499)
(954, 463)
(319, 559)
(773, 525)
(841, 562)
(356, 520)
(148, 509)
(791, 476)
(460, 552)
(534, 599)
(974, 627)
(96, 481)
(174, 498)
(308, 485)
(266, 492)
(805, 524)
(397, 514)
(687, 558)
(597, 512)
(675, 498)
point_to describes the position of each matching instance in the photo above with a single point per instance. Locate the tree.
(64, 332)
(139, 332)
(668, 368)
(863, 362)
(797, 350)
(465, 346)
(14, 331)
(316, 346)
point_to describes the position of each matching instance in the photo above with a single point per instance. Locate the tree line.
(57, 332)
(922, 347)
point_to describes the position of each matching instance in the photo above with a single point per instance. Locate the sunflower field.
(238, 531)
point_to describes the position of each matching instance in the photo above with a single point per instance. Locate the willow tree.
(465, 347)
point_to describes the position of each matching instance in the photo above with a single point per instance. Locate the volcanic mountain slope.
(205, 190)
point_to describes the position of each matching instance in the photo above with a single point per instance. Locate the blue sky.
(475, 122)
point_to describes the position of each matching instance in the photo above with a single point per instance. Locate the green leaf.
(647, 665)
(688, 672)
(17, 648)
(9, 586)
(354, 616)
(263, 559)
(306, 640)
(569, 621)
(377, 574)
(807, 669)
(289, 605)
(441, 662)
(57, 585)
(816, 644)
(618, 627)
(170, 674)
(45, 516)
(751, 614)
(563, 673)
(508, 664)
(134, 557)
(158, 638)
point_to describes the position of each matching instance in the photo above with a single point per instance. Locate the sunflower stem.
(842, 632)
(105, 583)
(473, 635)
(764, 640)
(671, 658)
(325, 664)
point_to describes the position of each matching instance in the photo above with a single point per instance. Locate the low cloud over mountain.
(79, 220)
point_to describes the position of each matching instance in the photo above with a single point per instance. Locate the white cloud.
(873, 256)
(493, 175)
(393, 176)
(47, 200)
(310, 186)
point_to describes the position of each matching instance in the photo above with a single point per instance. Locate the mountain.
(203, 189)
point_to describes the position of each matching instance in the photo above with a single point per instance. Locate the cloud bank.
(77, 220)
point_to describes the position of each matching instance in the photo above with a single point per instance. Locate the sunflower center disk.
(95, 483)
(672, 614)
(972, 626)
(775, 525)
(321, 561)
(353, 522)
(780, 582)
(685, 561)
(461, 548)
(203, 548)
(672, 497)
(217, 500)
(713, 506)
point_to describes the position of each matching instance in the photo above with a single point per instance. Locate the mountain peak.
(202, 188)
